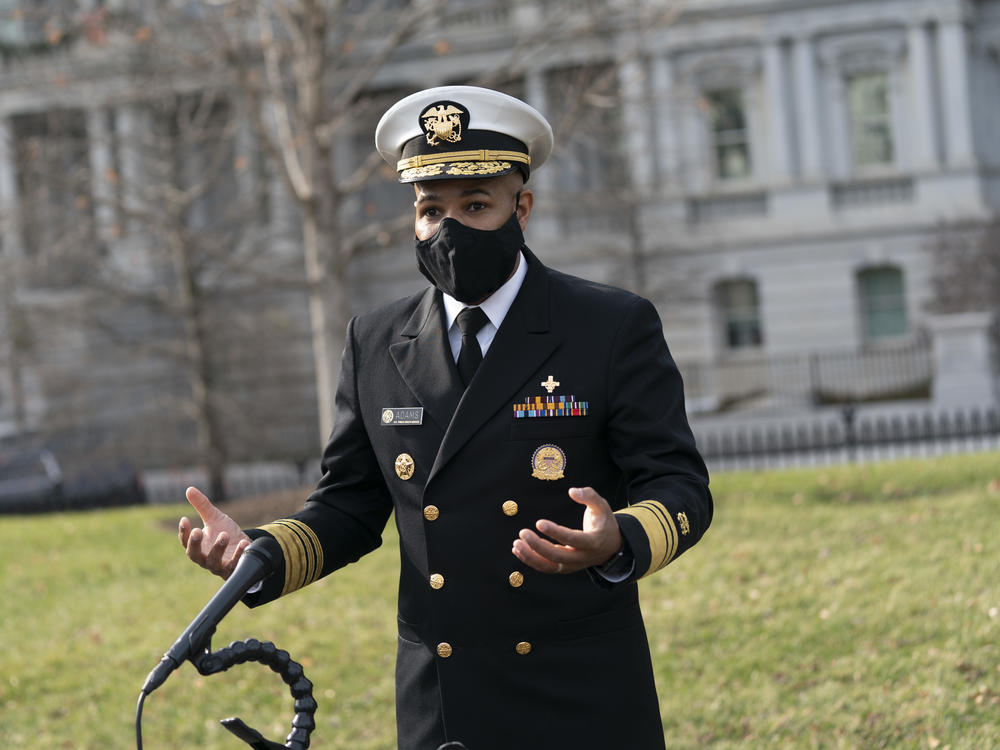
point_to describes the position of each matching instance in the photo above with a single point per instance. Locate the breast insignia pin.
(387, 416)
(548, 462)
(404, 466)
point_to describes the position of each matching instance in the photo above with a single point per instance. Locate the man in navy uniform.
(528, 429)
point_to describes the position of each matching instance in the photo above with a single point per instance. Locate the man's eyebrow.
(425, 197)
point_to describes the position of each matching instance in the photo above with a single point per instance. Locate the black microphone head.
(266, 549)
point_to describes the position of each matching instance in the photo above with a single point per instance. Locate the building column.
(837, 126)
(101, 172)
(128, 126)
(956, 102)
(10, 226)
(806, 105)
(665, 123)
(779, 135)
(925, 150)
(537, 97)
(13, 406)
(544, 222)
(638, 139)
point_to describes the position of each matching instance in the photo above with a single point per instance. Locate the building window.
(883, 303)
(739, 311)
(870, 119)
(54, 181)
(730, 141)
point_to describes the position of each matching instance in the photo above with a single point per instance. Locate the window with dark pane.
(739, 311)
(730, 142)
(883, 302)
(870, 119)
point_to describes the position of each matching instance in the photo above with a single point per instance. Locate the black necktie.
(470, 320)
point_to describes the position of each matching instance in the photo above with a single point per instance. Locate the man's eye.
(429, 212)
(476, 206)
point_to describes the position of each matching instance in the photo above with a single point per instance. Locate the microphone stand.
(195, 645)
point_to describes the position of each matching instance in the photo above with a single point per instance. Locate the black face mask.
(470, 264)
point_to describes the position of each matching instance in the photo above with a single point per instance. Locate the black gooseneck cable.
(194, 644)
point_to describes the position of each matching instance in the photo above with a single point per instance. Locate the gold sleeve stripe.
(660, 532)
(302, 550)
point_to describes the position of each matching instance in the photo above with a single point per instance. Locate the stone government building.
(774, 174)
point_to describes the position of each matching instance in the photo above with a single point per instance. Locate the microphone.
(256, 563)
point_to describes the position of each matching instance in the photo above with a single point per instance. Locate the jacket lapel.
(522, 343)
(424, 360)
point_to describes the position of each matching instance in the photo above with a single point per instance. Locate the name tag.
(402, 416)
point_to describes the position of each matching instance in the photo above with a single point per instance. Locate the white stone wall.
(801, 225)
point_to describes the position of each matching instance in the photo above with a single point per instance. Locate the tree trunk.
(313, 246)
(209, 438)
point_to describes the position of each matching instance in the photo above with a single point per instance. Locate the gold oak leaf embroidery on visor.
(302, 550)
(431, 171)
(660, 531)
(478, 167)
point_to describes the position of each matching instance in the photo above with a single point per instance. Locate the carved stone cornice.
(863, 52)
(720, 68)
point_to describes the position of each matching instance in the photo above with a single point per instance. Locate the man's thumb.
(585, 496)
(201, 504)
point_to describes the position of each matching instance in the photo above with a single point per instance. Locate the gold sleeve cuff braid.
(302, 550)
(659, 529)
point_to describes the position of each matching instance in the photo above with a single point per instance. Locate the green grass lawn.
(845, 607)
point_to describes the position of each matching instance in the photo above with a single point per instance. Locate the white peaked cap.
(462, 131)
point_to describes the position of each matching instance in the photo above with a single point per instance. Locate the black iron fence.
(850, 435)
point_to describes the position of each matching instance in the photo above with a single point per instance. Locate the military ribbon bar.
(550, 406)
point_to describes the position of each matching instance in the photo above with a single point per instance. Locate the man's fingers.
(562, 534)
(183, 530)
(216, 554)
(553, 553)
(230, 564)
(525, 550)
(193, 547)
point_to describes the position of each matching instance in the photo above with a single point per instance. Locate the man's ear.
(525, 202)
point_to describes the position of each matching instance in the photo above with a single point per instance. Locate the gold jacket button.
(444, 650)
(510, 508)
(431, 512)
(516, 578)
(523, 648)
(437, 580)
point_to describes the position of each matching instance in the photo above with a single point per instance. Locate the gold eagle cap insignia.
(442, 122)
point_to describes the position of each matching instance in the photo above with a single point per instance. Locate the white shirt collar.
(497, 304)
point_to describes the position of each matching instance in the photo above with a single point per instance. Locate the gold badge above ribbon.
(548, 462)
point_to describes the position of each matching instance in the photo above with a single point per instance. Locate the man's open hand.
(216, 547)
(576, 549)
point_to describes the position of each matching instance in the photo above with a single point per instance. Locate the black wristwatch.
(619, 563)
